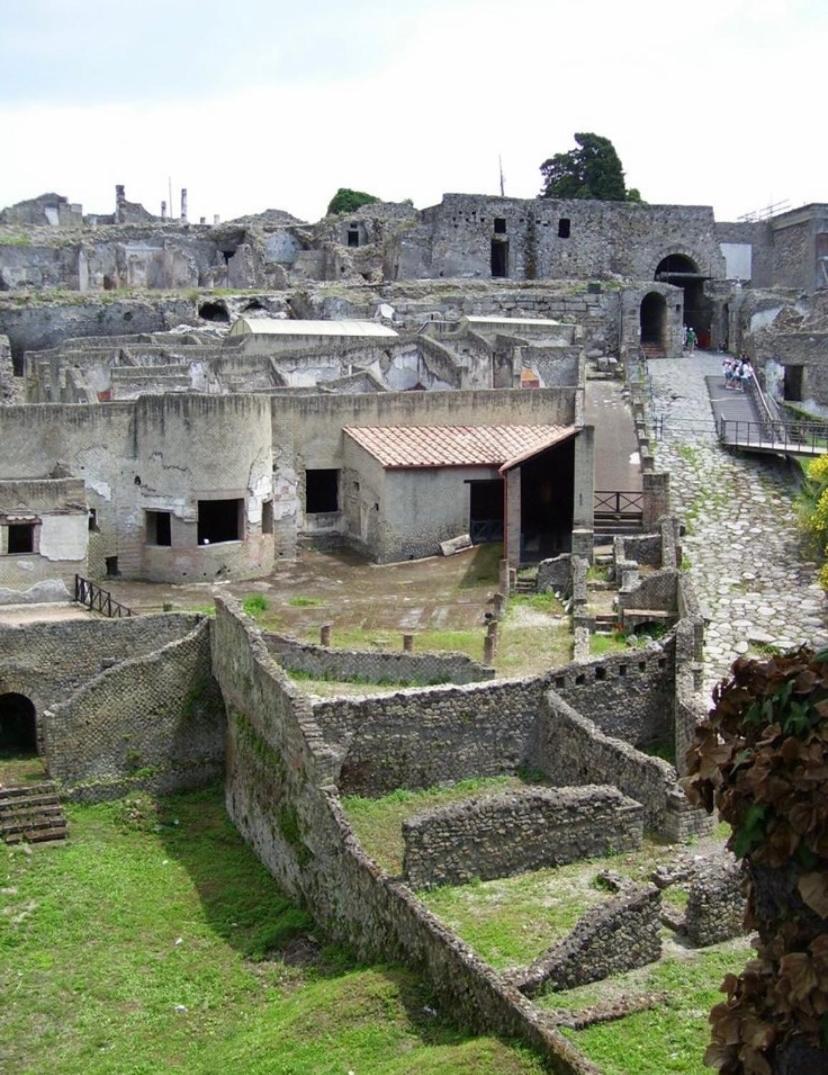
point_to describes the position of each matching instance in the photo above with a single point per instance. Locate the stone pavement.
(742, 543)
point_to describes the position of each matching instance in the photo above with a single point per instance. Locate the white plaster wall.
(64, 537)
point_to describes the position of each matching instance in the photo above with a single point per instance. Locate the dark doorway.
(486, 511)
(321, 491)
(793, 384)
(159, 530)
(546, 508)
(654, 321)
(219, 520)
(213, 311)
(564, 228)
(18, 725)
(681, 271)
(500, 258)
(353, 235)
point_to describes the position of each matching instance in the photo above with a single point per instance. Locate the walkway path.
(742, 542)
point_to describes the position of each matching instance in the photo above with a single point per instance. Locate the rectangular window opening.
(500, 225)
(21, 537)
(353, 235)
(159, 528)
(112, 567)
(563, 228)
(219, 521)
(267, 517)
(93, 521)
(793, 384)
(321, 491)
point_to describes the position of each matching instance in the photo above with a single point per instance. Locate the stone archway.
(653, 318)
(18, 725)
(683, 271)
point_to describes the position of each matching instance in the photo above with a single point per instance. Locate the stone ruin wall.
(487, 837)
(424, 669)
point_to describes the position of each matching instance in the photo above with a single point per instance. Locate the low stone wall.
(556, 574)
(716, 907)
(421, 737)
(499, 835)
(155, 722)
(657, 591)
(572, 751)
(642, 548)
(323, 662)
(620, 935)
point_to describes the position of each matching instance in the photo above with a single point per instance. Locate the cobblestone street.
(742, 543)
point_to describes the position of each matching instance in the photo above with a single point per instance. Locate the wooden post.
(325, 634)
(408, 643)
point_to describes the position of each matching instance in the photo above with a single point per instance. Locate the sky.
(263, 104)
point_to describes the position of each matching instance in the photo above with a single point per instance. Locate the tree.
(593, 170)
(347, 201)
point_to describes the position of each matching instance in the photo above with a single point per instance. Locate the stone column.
(513, 516)
(408, 643)
(583, 506)
(325, 634)
(656, 486)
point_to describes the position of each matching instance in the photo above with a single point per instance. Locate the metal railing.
(618, 501)
(807, 438)
(98, 600)
(486, 530)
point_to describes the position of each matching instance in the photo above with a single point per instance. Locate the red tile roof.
(455, 446)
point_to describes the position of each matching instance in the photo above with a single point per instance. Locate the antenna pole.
(500, 165)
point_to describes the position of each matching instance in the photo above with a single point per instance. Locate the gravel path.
(743, 545)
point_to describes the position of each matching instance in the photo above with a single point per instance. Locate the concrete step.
(38, 836)
(31, 812)
(14, 790)
(26, 802)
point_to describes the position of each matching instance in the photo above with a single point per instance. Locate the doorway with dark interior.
(547, 488)
(653, 319)
(681, 271)
(18, 726)
(486, 511)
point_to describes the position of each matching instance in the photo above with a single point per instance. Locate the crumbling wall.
(324, 662)
(155, 722)
(716, 906)
(618, 936)
(495, 836)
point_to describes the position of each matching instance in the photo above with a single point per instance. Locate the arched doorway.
(18, 725)
(681, 271)
(654, 323)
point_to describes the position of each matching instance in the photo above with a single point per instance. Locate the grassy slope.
(104, 941)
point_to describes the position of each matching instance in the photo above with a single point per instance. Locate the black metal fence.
(87, 593)
(804, 438)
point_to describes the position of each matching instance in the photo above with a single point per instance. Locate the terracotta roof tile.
(455, 446)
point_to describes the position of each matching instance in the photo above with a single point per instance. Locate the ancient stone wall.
(499, 835)
(618, 936)
(155, 722)
(716, 906)
(571, 751)
(280, 795)
(424, 669)
(49, 662)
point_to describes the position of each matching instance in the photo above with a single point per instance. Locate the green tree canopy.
(593, 170)
(346, 200)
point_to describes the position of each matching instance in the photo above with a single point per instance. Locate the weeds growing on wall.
(812, 506)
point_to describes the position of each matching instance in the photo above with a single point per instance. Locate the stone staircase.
(31, 812)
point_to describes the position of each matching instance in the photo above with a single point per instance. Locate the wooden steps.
(31, 812)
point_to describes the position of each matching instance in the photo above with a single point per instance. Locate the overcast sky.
(263, 104)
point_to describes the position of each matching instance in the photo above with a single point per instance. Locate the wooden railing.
(619, 501)
(87, 593)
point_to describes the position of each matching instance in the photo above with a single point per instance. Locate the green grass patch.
(598, 573)
(483, 568)
(599, 645)
(255, 604)
(539, 602)
(671, 1037)
(155, 941)
(17, 769)
(305, 602)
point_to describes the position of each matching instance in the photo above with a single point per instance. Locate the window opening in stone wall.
(500, 225)
(267, 517)
(321, 491)
(93, 521)
(18, 725)
(111, 563)
(159, 528)
(219, 520)
(793, 384)
(21, 537)
(353, 235)
(563, 228)
(500, 258)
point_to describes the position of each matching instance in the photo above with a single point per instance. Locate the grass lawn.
(155, 941)
(671, 1037)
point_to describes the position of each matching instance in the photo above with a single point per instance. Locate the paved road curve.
(743, 544)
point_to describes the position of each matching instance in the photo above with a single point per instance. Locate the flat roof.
(406, 447)
(271, 326)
